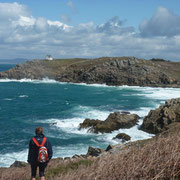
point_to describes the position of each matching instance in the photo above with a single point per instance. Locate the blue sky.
(90, 28)
(98, 11)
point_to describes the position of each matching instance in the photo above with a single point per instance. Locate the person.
(34, 152)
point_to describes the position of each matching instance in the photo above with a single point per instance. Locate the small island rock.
(114, 121)
(123, 136)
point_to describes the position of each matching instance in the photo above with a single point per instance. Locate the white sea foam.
(7, 99)
(7, 159)
(89, 112)
(70, 150)
(134, 132)
(44, 80)
(159, 93)
(143, 111)
(23, 96)
(59, 151)
(70, 126)
(80, 113)
(149, 92)
(94, 85)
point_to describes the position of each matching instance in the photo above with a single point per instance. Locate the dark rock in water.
(123, 136)
(89, 123)
(114, 121)
(19, 164)
(109, 147)
(125, 112)
(158, 120)
(94, 151)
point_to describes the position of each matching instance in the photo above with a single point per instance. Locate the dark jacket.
(33, 149)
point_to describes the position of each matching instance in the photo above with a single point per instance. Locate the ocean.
(60, 107)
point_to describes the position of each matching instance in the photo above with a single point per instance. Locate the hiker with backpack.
(40, 153)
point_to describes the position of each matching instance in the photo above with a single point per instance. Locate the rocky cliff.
(111, 71)
(162, 118)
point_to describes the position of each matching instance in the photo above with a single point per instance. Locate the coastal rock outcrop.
(159, 120)
(94, 151)
(111, 71)
(123, 136)
(114, 121)
(19, 164)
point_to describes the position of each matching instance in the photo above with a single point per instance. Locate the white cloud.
(12, 10)
(24, 21)
(41, 24)
(22, 35)
(114, 25)
(163, 23)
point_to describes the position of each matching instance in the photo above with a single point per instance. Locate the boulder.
(115, 148)
(19, 164)
(89, 123)
(76, 156)
(158, 120)
(109, 147)
(114, 121)
(94, 151)
(123, 136)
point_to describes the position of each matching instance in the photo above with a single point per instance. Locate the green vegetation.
(159, 59)
(65, 168)
(156, 158)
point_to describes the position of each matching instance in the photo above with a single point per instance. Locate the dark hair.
(39, 130)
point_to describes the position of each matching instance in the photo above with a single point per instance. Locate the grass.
(157, 159)
(65, 168)
(154, 159)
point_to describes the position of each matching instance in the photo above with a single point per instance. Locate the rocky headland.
(111, 71)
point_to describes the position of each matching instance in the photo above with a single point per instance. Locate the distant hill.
(13, 61)
(115, 71)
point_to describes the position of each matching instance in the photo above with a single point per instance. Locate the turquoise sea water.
(4, 67)
(26, 104)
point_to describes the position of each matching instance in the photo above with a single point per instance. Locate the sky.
(145, 29)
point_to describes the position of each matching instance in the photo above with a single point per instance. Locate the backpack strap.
(43, 142)
(35, 141)
(37, 144)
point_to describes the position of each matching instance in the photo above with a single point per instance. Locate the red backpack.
(42, 152)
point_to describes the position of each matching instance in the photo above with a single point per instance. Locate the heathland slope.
(157, 158)
(111, 71)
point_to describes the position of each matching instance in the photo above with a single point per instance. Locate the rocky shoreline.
(162, 121)
(110, 71)
(158, 121)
